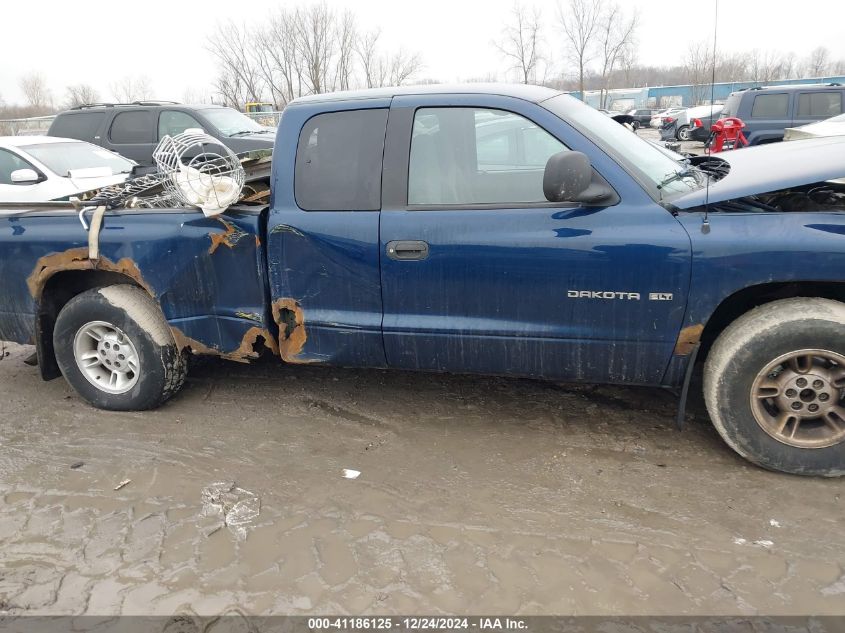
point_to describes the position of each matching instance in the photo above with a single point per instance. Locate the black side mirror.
(567, 175)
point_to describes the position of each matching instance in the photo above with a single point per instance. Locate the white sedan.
(41, 168)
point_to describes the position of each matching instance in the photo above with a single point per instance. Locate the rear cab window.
(339, 161)
(82, 126)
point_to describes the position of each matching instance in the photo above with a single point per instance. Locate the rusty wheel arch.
(53, 293)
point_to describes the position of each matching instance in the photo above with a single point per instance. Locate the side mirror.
(25, 176)
(567, 175)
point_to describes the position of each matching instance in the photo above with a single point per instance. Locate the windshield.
(653, 168)
(231, 122)
(60, 158)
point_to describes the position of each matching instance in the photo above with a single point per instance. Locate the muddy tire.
(774, 385)
(683, 133)
(115, 349)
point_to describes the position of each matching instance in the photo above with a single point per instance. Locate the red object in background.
(726, 134)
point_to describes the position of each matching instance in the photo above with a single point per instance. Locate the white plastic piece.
(348, 473)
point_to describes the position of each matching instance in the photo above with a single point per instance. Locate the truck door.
(481, 274)
(322, 234)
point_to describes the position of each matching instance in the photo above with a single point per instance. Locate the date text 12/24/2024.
(363, 623)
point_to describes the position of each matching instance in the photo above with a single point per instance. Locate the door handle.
(407, 250)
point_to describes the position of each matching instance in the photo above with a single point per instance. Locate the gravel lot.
(476, 495)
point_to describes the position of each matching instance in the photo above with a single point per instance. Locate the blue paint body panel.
(202, 293)
(494, 294)
(749, 249)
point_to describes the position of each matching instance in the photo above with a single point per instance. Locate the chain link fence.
(268, 119)
(26, 127)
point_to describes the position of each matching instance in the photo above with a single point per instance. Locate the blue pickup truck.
(499, 229)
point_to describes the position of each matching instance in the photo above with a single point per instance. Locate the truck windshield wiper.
(242, 132)
(688, 171)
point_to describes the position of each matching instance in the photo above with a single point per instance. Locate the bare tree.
(579, 20)
(316, 40)
(765, 66)
(628, 63)
(698, 69)
(818, 62)
(233, 48)
(196, 95)
(384, 69)
(522, 41)
(402, 66)
(367, 51)
(345, 36)
(616, 33)
(278, 60)
(80, 94)
(35, 90)
(300, 50)
(229, 89)
(128, 89)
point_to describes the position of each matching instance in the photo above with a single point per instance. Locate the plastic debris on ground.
(234, 507)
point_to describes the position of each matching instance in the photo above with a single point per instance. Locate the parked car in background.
(657, 118)
(642, 116)
(684, 119)
(767, 112)
(41, 168)
(699, 127)
(134, 129)
(834, 126)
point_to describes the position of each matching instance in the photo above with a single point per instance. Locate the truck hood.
(765, 168)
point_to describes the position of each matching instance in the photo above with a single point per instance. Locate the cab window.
(465, 156)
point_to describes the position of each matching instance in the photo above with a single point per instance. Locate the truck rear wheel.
(774, 385)
(115, 349)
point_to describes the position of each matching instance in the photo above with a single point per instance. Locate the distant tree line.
(596, 49)
(308, 49)
(303, 50)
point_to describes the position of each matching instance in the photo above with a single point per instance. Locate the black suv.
(768, 111)
(134, 129)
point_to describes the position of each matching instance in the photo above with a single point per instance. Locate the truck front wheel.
(115, 349)
(774, 385)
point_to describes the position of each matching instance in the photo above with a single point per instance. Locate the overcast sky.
(97, 41)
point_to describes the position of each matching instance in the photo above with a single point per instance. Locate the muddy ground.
(476, 495)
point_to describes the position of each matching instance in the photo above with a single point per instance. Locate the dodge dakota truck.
(506, 230)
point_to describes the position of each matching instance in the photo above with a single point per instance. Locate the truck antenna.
(705, 225)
